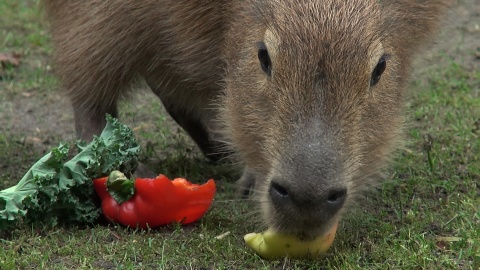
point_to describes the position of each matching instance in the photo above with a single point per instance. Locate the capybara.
(307, 95)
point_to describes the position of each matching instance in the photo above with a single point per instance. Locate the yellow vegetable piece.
(271, 245)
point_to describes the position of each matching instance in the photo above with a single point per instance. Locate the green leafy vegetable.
(55, 190)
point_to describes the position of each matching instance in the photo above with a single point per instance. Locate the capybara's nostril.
(277, 192)
(337, 197)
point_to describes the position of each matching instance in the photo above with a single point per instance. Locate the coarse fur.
(290, 87)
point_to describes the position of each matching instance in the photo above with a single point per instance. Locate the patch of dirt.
(40, 115)
(43, 118)
(459, 40)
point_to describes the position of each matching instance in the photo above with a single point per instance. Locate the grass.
(426, 217)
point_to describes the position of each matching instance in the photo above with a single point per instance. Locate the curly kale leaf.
(55, 190)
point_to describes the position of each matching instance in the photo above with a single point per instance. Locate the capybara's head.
(314, 97)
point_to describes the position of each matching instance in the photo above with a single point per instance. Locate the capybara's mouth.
(272, 244)
(306, 230)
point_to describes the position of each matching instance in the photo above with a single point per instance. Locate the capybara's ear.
(411, 23)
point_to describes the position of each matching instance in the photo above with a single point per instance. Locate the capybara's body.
(308, 95)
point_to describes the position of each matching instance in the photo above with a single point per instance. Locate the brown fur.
(315, 126)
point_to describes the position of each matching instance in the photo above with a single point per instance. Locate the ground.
(426, 217)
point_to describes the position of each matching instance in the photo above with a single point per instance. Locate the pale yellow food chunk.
(272, 245)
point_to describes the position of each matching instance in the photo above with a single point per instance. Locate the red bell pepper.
(147, 203)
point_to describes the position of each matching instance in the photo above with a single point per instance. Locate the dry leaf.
(9, 58)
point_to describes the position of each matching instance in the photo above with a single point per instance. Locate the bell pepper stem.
(120, 187)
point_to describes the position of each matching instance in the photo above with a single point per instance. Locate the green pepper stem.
(120, 187)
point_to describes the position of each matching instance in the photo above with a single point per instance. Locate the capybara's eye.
(378, 71)
(264, 59)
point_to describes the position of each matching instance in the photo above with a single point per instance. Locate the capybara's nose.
(318, 200)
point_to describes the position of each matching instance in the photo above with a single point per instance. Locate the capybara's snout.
(306, 188)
